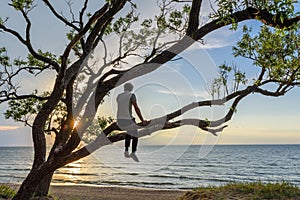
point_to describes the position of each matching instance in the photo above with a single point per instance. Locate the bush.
(6, 192)
(245, 191)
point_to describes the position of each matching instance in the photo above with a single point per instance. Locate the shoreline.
(116, 186)
(83, 192)
(96, 192)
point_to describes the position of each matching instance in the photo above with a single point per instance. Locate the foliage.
(272, 49)
(6, 192)
(22, 4)
(251, 190)
(99, 124)
(22, 110)
(230, 80)
(4, 59)
(274, 52)
(25, 110)
(148, 36)
(32, 61)
(224, 9)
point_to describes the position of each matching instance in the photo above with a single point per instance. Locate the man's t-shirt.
(125, 101)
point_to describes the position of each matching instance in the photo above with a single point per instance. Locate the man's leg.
(134, 146)
(127, 144)
(134, 137)
(134, 143)
(127, 141)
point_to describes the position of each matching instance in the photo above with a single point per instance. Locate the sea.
(166, 167)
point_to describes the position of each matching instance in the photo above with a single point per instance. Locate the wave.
(170, 176)
(224, 164)
(15, 169)
(76, 174)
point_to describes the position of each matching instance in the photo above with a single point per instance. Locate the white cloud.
(7, 128)
(202, 94)
(221, 38)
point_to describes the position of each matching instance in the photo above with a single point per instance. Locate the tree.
(80, 86)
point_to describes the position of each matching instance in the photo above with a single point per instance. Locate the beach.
(76, 192)
(242, 191)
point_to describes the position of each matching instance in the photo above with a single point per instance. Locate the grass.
(6, 192)
(246, 191)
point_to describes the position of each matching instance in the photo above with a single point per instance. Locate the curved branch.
(117, 5)
(202, 124)
(28, 27)
(13, 32)
(61, 18)
(82, 13)
(271, 20)
(194, 17)
(249, 13)
(98, 14)
(163, 123)
(103, 140)
(29, 46)
(269, 93)
(27, 42)
(205, 125)
(185, 42)
(19, 97)
(101, 17)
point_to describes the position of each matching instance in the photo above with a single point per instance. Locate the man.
(126, 121)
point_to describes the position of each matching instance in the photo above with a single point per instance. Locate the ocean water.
(166, 167)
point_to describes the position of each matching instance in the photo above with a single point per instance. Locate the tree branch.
(98, 14)
(249, 13)
(61, 18)
(194, 18)
(14, 96)
(163, 123)
(271, 20)
(29, 47)
(117, 5)
(82, 13)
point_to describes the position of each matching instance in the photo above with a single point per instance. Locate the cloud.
(221, 38)
(202, 95)
(7, 128)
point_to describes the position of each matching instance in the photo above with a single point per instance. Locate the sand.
(75, 192)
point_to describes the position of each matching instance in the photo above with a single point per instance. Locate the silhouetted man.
(126, 121)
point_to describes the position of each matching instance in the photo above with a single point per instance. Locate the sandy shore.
(75, 192)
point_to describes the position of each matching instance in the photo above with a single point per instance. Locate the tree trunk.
(28, 187)
(38, 180)
(43, 187)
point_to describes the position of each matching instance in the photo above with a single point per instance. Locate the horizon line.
(245, 144)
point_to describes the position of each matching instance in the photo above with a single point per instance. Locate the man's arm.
(138, 111)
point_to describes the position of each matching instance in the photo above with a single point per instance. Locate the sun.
(76, 123)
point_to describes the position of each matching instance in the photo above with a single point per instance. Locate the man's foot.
(134, 157)
(126, 154)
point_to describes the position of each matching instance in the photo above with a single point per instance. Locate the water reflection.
(73, 173)
(85, 171)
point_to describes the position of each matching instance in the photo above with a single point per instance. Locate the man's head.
(128, 87)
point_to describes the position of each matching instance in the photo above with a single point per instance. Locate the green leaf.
(22, 4)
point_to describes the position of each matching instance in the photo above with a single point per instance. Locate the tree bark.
(29, 185)
(38, 180)
(43, 187)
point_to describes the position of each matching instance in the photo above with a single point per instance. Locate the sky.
(259, 119)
